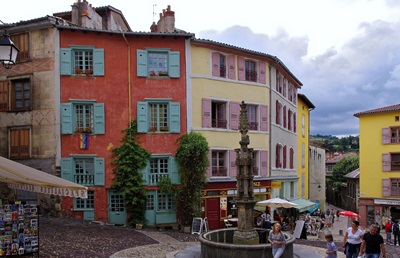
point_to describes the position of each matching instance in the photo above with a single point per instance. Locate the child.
(331, 247)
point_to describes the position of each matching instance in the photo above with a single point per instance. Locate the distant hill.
(335, 144)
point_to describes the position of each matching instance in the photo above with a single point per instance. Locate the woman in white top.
(352, 240)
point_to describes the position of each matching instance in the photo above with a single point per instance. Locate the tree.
(128, 180)
(343, 167)
(192, 157)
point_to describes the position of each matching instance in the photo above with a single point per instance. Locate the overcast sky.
(345, 52)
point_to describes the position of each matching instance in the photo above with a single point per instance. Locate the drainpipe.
(270, 123)
(129, 80)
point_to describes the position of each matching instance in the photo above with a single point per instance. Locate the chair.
(227, 224)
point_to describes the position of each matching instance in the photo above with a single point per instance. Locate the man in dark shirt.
(372, 243)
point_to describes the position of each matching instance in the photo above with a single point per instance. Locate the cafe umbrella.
(276, 203)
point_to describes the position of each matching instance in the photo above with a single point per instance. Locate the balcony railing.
(155, 178)
(251, 75)
(218, 123)
(219, 171)
(84, 179)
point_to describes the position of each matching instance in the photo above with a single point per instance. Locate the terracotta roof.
(340, 157)
(379, 110)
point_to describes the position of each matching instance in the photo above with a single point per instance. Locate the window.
(3, 95)
(252, 117)
(250, 71)
(303, 125)
(22, 42)
(391, 187)
(85, 204)
(159, 167)
(218, 115)
(158, 115)
(82, 116)
(83, 170)
(77, 60)
(290, 118)
(278, 82)
(21, 94)
(19, 143)
(395, 135)
(395, 188)
(284, 156)
(158, 170)
(158, 62)
(165, 202)
(395, 157)
(256, 164)
(303, 154)
(218, 163)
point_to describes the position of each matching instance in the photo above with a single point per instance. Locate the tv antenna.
(154, 13)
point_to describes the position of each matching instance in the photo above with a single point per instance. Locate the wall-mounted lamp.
(319, 188)
(8, 51)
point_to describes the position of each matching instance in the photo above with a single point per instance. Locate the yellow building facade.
(379, 164)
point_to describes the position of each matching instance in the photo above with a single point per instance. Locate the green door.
(116, 208)
(150, 208)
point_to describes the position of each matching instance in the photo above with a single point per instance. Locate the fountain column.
(245, 234)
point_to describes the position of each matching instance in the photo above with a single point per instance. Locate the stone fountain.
(245, 240)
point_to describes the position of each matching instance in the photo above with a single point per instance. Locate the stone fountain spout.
(245, 234)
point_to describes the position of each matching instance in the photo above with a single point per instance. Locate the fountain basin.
(219, 243)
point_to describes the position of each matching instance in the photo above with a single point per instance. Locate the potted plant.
(89, 72)
(162, 73)
(78, 70)
(164, 128)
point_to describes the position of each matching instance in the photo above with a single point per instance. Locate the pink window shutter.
(386, 191)
(234, 112)
(284, 116)
(277, 118)
(232, 161)
(215, 64)
(241, 68)
(206, 113)
(278, 156)
(264, 118)
(284, 156)
(386, 138)
(231, 67)
(277, 81)
(263, 73)
(263, 163)
(291, 158)
(386, 162)
(294, 122)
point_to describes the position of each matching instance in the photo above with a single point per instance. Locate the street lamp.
(8, 51)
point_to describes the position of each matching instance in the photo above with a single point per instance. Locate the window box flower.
(162, 73)
(84, 130)
(89, 72)
(164, 129)
(78, 70)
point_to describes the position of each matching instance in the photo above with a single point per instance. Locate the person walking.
(277, 240)
(352, 240)
(331, 250)
(396, 232)
(388, 230)
(372, 244)
(378, 218)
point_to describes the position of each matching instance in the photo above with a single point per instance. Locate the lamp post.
(8, 51)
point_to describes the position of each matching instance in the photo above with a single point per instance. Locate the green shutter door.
(99, 175)
(99, 121)
(174, 117)
(173, 166)
(98, 61)
(65, 61)
(142, 124)
(141, 63)
(174, 64)
(66, 169)
(66, 118)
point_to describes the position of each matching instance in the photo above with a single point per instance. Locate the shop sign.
(276, 185)
(387, 202)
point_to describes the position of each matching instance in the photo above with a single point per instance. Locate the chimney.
(167, 21)
(153, 27)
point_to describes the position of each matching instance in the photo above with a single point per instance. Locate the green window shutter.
(174, 64)
(66, 169)
(98, 61)
(174, 117)
(99, 171)
(99, 121)
(144, 172)
(66, 118)
(173, 168)
(142, 63)
(65, 61)
(142, 123)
